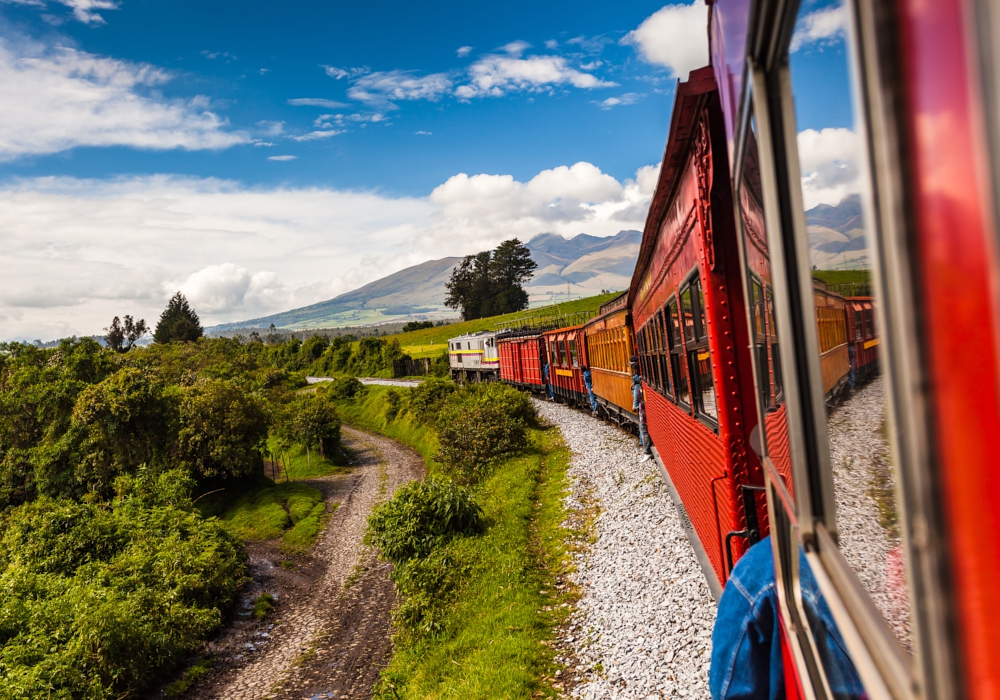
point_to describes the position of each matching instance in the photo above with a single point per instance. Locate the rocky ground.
(330, 635)
(866, 503)
(643, 626)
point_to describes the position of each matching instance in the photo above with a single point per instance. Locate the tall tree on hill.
(122, 336)
(178, 322)
(490, 282)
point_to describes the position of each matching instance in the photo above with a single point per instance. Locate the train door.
(857, 557)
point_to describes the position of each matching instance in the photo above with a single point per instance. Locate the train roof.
(476, 335)
(689, 99)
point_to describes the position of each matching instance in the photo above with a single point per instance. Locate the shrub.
(423, 515)
(480, 425)
(427, 398)
(426, 584)
(100, 600)
(345, 388)
(393, 401)
(441, 366)
(263, 605)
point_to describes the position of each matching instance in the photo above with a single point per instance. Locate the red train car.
(697, 377)
(862, 337)
(521, 361)
(566, 352)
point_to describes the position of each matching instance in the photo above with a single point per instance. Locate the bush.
(441, 366)
(427, 398)
(263, 605)
(425, 585)
(99, 600)
(345, 388)
(479, 425)
(422, 516)
(393, 401)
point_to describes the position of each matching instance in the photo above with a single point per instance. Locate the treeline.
(346, 354)
(111, 575)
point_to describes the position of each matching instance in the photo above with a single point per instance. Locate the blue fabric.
(589, 383)
(548, 384)
(639, 406)
(746, 643)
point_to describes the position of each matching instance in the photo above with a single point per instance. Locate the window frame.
(697, 346)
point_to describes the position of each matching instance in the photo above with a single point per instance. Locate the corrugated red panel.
(776, 429)
(694, 456)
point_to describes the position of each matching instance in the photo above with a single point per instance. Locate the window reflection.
(835, 191)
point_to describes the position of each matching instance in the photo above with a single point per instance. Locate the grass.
(263, 510)
(429, 342)
(499, 627)
(844, 276)
(195, 671)
(301, 466)
(263, 605)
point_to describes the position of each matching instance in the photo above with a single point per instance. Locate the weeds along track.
(330, 635)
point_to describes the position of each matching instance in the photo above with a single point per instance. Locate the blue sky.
(261, 157)
(251, 58)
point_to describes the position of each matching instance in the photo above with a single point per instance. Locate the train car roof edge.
(688, 101)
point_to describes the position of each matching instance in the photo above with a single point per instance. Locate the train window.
(678, 364)
(775, 355)
(852, 472)
(699, 359)
(572, 353)
(663, 353)
(858, 330)
(758, 325)
(687, 315)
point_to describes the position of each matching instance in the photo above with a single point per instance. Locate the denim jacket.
(747, 661)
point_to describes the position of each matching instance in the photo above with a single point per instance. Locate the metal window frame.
(874, 50)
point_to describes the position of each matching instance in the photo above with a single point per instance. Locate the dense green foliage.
(417, 325)
(489, 283)
(101, 598)
(178, 322)
(111, 576)
(479, 425)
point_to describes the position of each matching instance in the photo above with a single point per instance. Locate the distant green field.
(429, 342)
(843, 276)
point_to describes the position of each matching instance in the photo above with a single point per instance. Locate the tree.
(178, 322)
(121, 337)
(490, 282)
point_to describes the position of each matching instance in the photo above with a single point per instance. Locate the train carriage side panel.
(609, 345)
(688, 273)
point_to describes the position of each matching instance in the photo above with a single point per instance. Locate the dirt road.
(326, 639)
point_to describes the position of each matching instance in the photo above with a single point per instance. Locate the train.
(857, 427)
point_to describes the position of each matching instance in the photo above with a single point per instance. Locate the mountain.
(836, 235)
(567, 269)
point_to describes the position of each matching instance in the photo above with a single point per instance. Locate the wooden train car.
(610, 345)
(521, 360)
(697, 376)
(473, 358)
(831, 331)
(565, 353)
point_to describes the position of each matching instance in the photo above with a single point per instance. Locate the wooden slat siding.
(834, 366)
(613, 387)
(693, 455)
(775, 426)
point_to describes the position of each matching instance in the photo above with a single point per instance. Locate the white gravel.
(643, 626)
(861, 463)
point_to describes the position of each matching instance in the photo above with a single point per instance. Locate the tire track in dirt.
(326, 639)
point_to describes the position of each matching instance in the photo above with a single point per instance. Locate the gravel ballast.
(643, 626)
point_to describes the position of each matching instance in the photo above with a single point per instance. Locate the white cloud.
(822, 27)
(628, 98)
(384, 88)
(59, 98)
(282, 158)
(271, 128)
(675, 36)
(83, 10)
(78, 252)
(338, 73)
(316, 102)
(316, 135)
(423, 133)
(463, 51)
(551, 44)
(496, 75)
(828, 160)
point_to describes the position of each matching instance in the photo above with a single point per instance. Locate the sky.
(260, 157)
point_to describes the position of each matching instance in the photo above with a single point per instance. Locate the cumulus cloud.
(78, 252)
(629, 98)
(675, 37)
(822, 27)
(83, 10)
(59, 98)
(316, 102)
(383, 88)
(828, 160)
(498, 74)
(463, 51)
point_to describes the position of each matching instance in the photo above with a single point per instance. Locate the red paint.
(520, 362)
(953, 238)
(565, 375)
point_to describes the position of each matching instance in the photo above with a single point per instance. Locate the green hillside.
(430, 342)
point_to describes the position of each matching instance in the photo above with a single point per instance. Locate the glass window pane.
(572, 353)
(706, 401)
(687, 313)
(832, 153)
(680, 372)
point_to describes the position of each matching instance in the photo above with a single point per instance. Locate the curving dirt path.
(330, 635)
